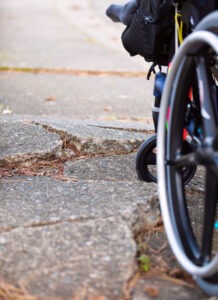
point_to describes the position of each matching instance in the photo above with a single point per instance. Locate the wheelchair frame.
(195, 259)
(196, 255)
(179, 155)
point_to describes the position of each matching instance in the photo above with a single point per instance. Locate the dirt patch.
(11, 292)
(155, 258)
(53, 168)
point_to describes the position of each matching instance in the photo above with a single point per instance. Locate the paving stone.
(26, 201)
(22, 142)
(69, 238)
(95, 257)
(95, 139)
(108, 168)
(60, 95)
(163, 289)
(19, 135)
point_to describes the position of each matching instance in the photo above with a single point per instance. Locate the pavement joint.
(73, 72)
(94, 145)
(51, 223)
(147, 131)
(138, 226)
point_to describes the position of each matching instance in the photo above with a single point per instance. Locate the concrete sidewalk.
(66, 70)
(74, 215)
(74, 218)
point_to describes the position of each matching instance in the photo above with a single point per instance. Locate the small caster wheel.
(146, 160)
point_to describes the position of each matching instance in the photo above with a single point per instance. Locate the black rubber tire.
(209, 23)
(210, 288)
(209, 285)
(191, 239)
(146, 157)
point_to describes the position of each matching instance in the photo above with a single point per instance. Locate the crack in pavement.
(133, 222)
(148, 131)
(80, 146)
(50, 223)
(51, 163)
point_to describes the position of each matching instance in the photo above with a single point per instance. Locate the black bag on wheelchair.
(150, 34)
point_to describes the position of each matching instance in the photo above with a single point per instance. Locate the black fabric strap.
(152, 70)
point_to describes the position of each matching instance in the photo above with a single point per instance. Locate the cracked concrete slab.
(76, 235)
(45, 200)
(26, 139)
(69, 238)
(70, 260)
(160, 288)
(95, 139)
(130, 124)
(108, 168)
(22, 142)
(66, 238)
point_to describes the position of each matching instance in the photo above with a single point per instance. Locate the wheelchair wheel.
(146, 161)
(209, 23)
(189, 105)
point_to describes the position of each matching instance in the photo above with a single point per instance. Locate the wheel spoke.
(211, 196)
(207, 102)
(181, 215)
(184, 160)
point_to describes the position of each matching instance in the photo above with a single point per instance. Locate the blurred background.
(64, 58)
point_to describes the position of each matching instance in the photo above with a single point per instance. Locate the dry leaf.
(50, 98)
(152, 291)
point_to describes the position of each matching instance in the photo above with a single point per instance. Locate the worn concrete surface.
(73, 214)
(106, 168)
(71, 259)
(68, 237)
(59, 50)
(14, 135)
(70, 231)
(76, 96)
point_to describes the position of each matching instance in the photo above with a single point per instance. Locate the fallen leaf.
(107, 108)
(152, 291)
(50, 98)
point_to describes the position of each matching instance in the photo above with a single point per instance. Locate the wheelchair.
(186, 146)
(146, 155)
